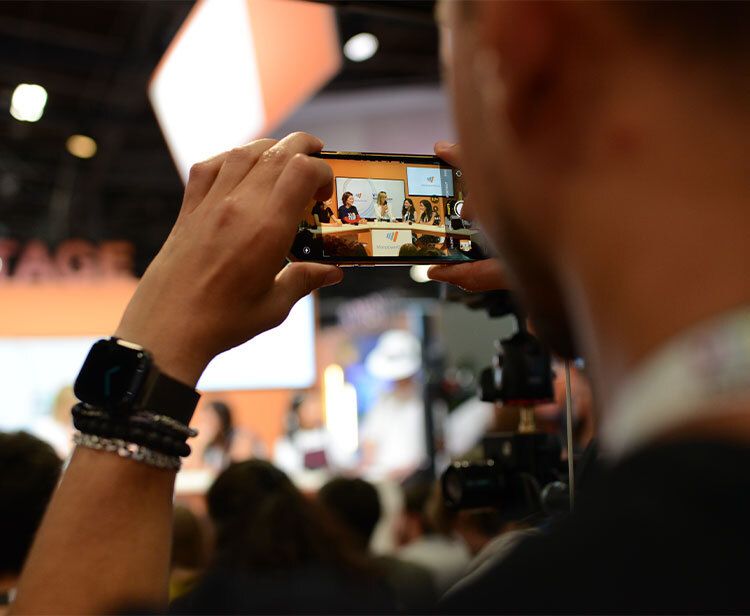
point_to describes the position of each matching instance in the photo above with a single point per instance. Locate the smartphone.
(388, 209)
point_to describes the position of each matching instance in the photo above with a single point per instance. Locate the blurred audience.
(490, 536)
(29, 472)
(276, 551)
(355, 504)
(425, 532)
(190, 551)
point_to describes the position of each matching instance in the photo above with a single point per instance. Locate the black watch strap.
(168, 396)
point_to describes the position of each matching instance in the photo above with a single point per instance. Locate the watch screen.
(111, 374)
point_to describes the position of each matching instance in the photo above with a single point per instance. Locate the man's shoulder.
(662, 530)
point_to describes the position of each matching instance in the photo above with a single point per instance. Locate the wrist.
(174, 355)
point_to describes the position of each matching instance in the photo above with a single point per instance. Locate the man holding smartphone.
(606, 150)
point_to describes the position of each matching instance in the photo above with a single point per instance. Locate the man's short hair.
(29, 472)
(355, 502)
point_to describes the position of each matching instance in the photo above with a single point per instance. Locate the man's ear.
(520, 42)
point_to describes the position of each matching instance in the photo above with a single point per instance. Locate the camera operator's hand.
(485, 275)
(218, 280)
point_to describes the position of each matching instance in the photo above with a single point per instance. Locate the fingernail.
(333, 277)
(445, 145)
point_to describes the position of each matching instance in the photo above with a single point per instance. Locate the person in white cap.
(393, 431)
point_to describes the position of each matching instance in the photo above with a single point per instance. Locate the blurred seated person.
(323, 213)
(29, 472)
(382, 208)
(278, 552)
(348, 213)
(219, 441)
(306, 444)
(356, 505)
(190, 552)
(426, 534)
(408, 211)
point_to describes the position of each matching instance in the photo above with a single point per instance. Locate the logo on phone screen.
(392, 236)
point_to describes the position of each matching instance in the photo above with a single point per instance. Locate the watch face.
(112, 374)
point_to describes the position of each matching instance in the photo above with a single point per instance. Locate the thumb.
(299, 279)
(449, 152)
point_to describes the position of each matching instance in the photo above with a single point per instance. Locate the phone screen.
(389, 209)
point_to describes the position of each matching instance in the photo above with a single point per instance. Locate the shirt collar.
(694, 375)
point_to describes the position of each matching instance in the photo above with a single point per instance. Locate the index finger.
(485, 275)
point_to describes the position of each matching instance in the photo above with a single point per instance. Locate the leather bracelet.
(156, 432)
(125, 449)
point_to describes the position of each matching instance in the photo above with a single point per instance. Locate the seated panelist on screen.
(348, 213)
(323, 213)
(408, 211)
(427, 213)
(384, 212)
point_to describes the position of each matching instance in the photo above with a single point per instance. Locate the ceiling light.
(81, 146)
(27, 102)
(361, 47)
(418, 273)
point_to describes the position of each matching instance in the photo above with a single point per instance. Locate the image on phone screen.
(388, 208)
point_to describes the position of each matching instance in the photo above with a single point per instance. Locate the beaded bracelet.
(124, 449)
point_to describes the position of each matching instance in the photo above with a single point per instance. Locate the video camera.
(521, 471)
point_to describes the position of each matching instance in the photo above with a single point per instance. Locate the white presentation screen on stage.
(365, 191)
(283, 358)
(34, 370)
(430, 181)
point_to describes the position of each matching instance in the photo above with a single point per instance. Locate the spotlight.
(27, 102)
(361, 47)
(81, 146)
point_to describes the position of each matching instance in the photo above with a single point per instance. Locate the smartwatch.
(120, 377)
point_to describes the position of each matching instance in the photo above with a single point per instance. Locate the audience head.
(29, 472)
(355, 503)
(189, 541)
(263, 521)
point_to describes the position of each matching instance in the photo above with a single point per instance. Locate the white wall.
(407, 120)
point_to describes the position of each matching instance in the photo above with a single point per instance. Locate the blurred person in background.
(426, 534)
(393, 433)
(219, 440)
(490, 535)
(355, 504)
(190, 551)
(29, 472)
(277, 551)
(306, 444)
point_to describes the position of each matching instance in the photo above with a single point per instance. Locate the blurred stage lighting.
(361, 47)
(28, 101)
(237, 69)
(81, 146)
(418, 273)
